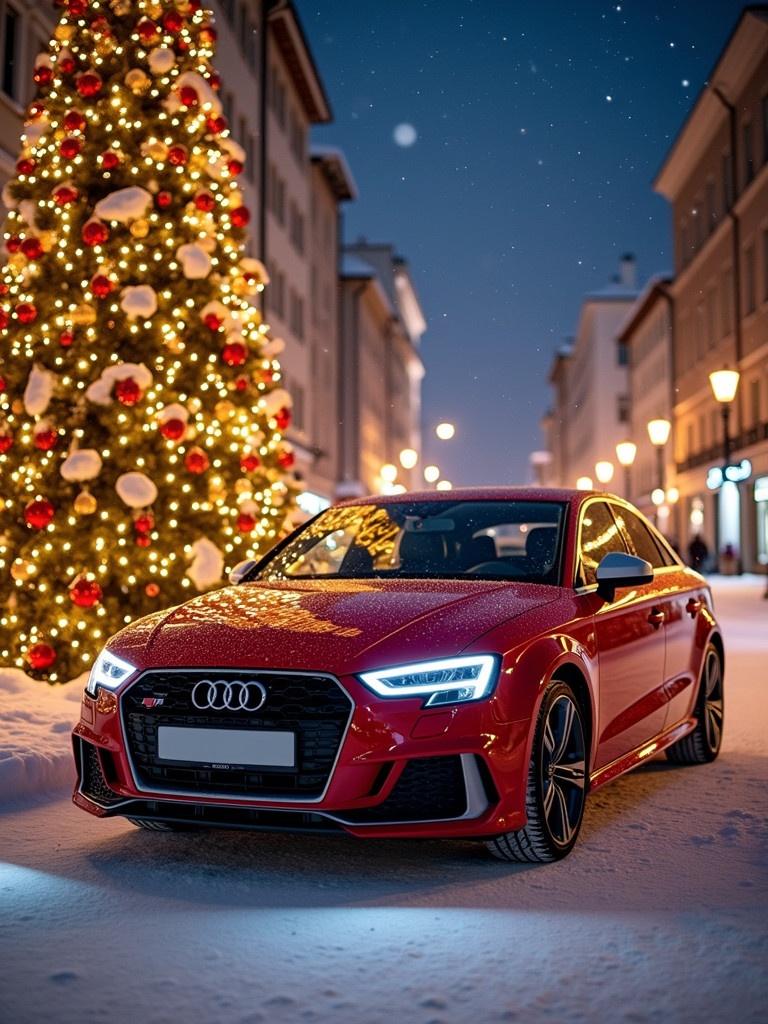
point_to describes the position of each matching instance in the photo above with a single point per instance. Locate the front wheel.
(557, 783)
(703, 744)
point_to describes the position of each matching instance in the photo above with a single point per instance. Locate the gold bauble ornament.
(173, 343)
(85, 504)
(217, 493)
(140, 228)
(63, 32)
(17, 406)
(17, 262)
(22, 569)
(83, 314)
(153, 10)
(156, 150)
(240, 286)
(137, 81)
(243, 486)
(121, 7)
(106, 44)
(224, 409)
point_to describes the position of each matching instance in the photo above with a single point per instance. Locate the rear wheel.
(557, 781)
(703, 744)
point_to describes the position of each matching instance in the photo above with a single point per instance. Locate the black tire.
(557, 784)
(703, 744)
(160, 826)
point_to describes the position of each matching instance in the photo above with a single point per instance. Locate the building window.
(727, 181)
(749, 280)
(749, 156)
(250, 156)
(296, 321)
(622, 408)
(298, 408)
(297, 227)
(11, 34)
(622, 353)
(277, 96)
(228, 105)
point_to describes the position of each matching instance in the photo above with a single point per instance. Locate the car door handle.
(656, 617)
(693, 607)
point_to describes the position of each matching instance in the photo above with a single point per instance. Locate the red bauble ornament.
(249, 463)
(32, 248)
(240, 216)
(13, 244)
(178, 156)
(212, 322)
(66, 65)
(147, 30)
(173, 429)
(77, 8)
(42, 74)
(109, 160)
(235, 167)
(207, 33)
(65, 194)
(3, 385)
(66, 338)
(173, 21)
(40, 656)
(6, 442)
(95, 232)
(188, 96)
(163, 199)
(144, 523)
(234, 354)
(286, 459)
(26, 312)
(89, 84)
(26, 165)
(246, 522)
(128, 392)
(39, 513)
(74, 121)
(101, 286)
(85, 593)
(45, 440)
(214, 80)
(4, 319)
(143, 540)
(216, 124)
(204, 201)
(151, 590)
(100, 26)
(181, 45)
(196, 460)
(242, 383)
(36, 110)
(283, 418)
(70, 147)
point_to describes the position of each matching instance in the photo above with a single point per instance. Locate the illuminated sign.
(733, 473)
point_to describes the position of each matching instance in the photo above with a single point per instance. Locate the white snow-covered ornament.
(39, 390)
(43, 60)
(161, 60)
(251, 267)
(273, 347)
(135, 490)
(28, 211)
(174, 411)
(207, 566)
(276, 400)
(123, 205)
(100, 391)
(195, 261)
(207, 98)
(139, 301)
(234, 150)
(34, 131)
(81, 464)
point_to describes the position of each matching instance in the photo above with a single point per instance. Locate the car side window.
(599, 535)
(639, 537)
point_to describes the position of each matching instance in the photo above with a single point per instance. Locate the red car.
(468, 663)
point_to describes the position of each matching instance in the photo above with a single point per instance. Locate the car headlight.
(108, 671)
(444, 681)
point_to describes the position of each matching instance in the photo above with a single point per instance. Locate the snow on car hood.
(337, 626)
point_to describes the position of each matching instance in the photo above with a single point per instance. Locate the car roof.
(561, 494)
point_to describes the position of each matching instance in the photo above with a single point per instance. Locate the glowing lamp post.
(625, 453)
(584, 483)
(408, 458)
(658, 433)
(724, 384)
(431, 474)
(604, 471)
(445, 431)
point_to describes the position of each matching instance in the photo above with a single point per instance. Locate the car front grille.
(314, 707)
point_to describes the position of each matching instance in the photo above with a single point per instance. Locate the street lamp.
(604, 471)
(431, 474)
(444, 485)
(408, 458)
(445, 431)
(658, 432)
(724, 385)
(584, 483)
(388, 473)
(625, 453)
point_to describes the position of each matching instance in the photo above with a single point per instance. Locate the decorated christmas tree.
(141, 410)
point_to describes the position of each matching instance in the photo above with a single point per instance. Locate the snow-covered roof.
(336, 169)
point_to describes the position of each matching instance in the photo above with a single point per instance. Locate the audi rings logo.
(235, 695)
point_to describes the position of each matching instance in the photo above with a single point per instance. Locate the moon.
(404, 135)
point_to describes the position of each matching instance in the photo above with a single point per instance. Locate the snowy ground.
(661, 913)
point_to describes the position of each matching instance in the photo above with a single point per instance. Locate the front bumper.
(399, 770)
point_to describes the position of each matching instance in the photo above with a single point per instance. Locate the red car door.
(630, 640)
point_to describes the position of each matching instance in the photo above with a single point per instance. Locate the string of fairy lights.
(130, 338)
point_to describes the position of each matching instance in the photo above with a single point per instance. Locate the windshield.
(518, 540)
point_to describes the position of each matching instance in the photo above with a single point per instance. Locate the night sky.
(539, 127)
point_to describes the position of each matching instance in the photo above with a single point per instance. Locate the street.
(660, 912)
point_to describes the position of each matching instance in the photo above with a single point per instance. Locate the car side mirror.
(618, 569)
(240, 571)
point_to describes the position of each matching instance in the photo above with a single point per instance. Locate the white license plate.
(259, 748)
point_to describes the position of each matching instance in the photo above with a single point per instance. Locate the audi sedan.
(455, 664)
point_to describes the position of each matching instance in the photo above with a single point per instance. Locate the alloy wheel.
(713, 700)
(563, 769)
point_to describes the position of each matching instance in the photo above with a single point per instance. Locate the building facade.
(590, 412)
(272, 95)
(716, 179)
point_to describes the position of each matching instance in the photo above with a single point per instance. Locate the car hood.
(337, 626)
